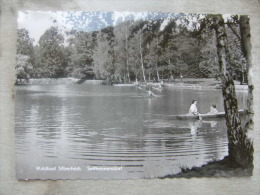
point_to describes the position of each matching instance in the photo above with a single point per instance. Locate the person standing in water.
(149, 93)
(193, 108)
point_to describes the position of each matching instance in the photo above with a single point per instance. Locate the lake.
(106, 132)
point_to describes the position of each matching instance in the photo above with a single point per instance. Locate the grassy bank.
(221, 168)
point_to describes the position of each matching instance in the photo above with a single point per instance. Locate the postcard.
(132, 95)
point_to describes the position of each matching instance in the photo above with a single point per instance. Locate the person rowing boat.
(193, 109)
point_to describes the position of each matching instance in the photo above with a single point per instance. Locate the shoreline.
(187, 83)
(219, 168)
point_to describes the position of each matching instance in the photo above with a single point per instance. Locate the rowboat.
(205, 116)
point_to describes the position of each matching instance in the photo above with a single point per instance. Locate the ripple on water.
(106, 126)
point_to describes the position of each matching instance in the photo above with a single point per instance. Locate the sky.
(37, 22)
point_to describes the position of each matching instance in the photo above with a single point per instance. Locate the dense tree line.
(132, 50)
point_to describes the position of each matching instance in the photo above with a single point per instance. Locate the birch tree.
(122, 32)
(240, 147)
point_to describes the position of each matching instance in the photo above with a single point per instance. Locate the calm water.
(94, 126)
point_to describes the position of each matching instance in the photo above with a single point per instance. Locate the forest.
(161, 48)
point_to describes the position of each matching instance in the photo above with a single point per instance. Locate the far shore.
(189, 83)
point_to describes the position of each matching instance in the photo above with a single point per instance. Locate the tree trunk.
(126, 57)
(157, 57)
(141, 55)
(246, 49)
(240, 148)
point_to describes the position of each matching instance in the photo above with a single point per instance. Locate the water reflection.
(194, 125)
(103, 125)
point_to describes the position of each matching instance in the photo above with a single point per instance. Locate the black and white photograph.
(133, 95)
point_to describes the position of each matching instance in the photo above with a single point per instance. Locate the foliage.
(23, 67)
(51, 63)
(80, 50)
(162, 45)
(208, 65)
(25, 55)
(103, 56)
(24, 43)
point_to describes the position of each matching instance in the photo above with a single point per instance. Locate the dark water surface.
(113, 132)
